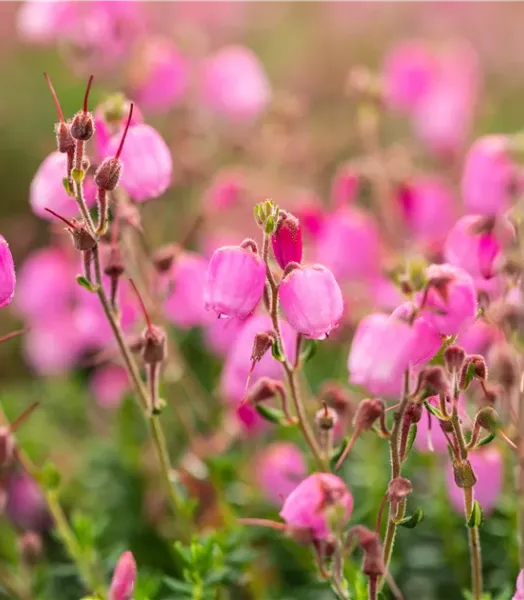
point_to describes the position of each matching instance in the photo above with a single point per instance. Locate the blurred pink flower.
(147, 163)
(519, 591)
(109, 385)
(489, 469)
(249, 420)
(313, 503)
(488, 177)
(25, 503)
(47, 189)
(225, 191)
(7, 273)
(105, 129)
(234, 83)
(311, 300)
(220, 334)
(279, 468)
(344, 188)
(433, 439)
(477, 338)
(124, 578)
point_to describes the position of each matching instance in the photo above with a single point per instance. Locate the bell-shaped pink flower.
(477, 338)
(105, 129)
(519, 591)
(316, 502)
(249, 421)
(450, 303)
(426, 339)
(234, 83)
(409, 71)
(220, 334)
(147, 164)
(476, 244)
(428, 208)
(42, 22)
(311, 300)
(47, 189)
(161, 77)
(7, 273)
(488, 177)
(280, 467)
(25, 505)
(185, 307)
(488, 466)
(345, 186)
(349, 245)
(109, 384)
(124, 578)
(238, 363)
(235, 281)
(287, 240)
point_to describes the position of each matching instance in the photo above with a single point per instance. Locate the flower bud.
(373, 563)
(312, 300)
(287, 240)
(261, 344)
(474, 367)
(488, 419)
(414, 412)
(504, 366)
(236, 277)
(7, 274)
(114, 267)
(454, 358)
(326, 418)
(83, 123)
(263, 389)
(64, 140)
(155, 345)
(107, 176)
(433, 380)
(368, 411)
(83, 240)
(30, 547)
(464, 474)
(399, 489)
(124, 578)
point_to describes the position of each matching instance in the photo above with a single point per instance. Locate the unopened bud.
(83, 124)
(454, 358)
(504, 366)
(64, 139)
(326, 418)
(399, 489)
(107, 175)
(30, 547)
(488, 419)
(433, 380)
(7, 447)
(261, 344)
(264, 389)
(414, 412)
(372, 564)
(368, 411)
(83, 240)
(287, 240)
(335, 395)
(155, 345)
(464, 475)
(124, 578)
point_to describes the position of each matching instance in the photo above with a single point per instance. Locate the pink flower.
(477, 338)
(476, 245)
(109, 385)
(250, 421)
(345, 186)
(316, 502)
(279, 468)
(488, 467)
(432, 438)
(287, 240)
(519, 591)
(7, 274)
(161, 76)
(40, 22)
(25, 503)
(147, 163)
(220, 334)
(235, 282)
(45, 285)
(349, 245)
(124, 578)
(488, 176)
(110, 119)
(238, 363)
(451, 302)
(311, 300)
(184, 307)
(428, 208)
(234, 83)
(225, 191)
(47, 189)
(409, 72)
(427, 340)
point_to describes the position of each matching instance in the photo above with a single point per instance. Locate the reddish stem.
(379, 514)
(55, 98)
(117, 155)
(264, 523)
(13, 334)
(69, 223)
(143, 306)
(347, 449)
(86, 96)
(23, 417)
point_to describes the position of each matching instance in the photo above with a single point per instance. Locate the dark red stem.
(143, 306)
(88, 89)
(69, 223)
(117, 155)
(55, 98)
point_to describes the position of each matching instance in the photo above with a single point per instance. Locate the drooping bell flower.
(349, 245)
(449, 302)
(311, 300)
(234, 83)
(280, 467)
(476, 244)
(110, 120)
(477, 338)
(220, 334)
(319, 504)
(47, 189)
(147, 163)
(184, 307)
(7, 274)
(109, 384)
(519, 591)
(25, 506)
(124, 578)
(287, 240)
(488, 466)
(236, 276)
(161, 76)
(427, 340)
(488, 178)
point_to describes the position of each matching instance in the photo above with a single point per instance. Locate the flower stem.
(474, 546)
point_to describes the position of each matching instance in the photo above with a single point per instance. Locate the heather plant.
(263, 368)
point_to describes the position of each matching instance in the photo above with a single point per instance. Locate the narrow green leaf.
(277, 354)
(411, 437)
(273, 415)
(485, 441)
(338, 452)
(67, 187)
(434, 411)
(82, 281)
(411, 521)
(476, 517)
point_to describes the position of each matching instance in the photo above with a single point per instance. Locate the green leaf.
(78, 175)
(276, 353)
(434, 411)
(476, 518)
(411, 437)
(67, 187)
(338, 452)
(84, 529)
(49, 477)
(273, 415)
(470, 373)
(178, 586)
(310, 349)
(485, 441)
(82, 281)
(411, 521)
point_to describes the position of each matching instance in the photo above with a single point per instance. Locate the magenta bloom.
(311, 300)
(477, 248)
(477, 337)
(234, 83)
(519, 591)
(7, 274)
(185, 305)
(451, 301)
(249, 421)
(426, 339)
(409, 72)
(161, 77)
(147, 164)
(488, 466)
(224, 192)
(47, 189)
(235, 282)
(124, 578)
(349, 245)
(109, 384)
(488, 176)
(311, 504)
(279, 468)
(287, 240)
(238, 363)
(25, 504)
(428, 208)
(220, 334)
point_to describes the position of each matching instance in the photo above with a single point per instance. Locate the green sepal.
(411, 521)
